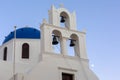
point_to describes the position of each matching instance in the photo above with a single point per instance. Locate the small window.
(66, 76)
(25, 51)
(5, 54)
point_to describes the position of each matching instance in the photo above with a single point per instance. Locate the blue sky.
(101, 19)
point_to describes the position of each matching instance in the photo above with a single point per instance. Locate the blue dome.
(24, 33)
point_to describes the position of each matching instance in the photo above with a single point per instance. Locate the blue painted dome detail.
(24, 33)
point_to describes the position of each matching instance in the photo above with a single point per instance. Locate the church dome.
(24, 33)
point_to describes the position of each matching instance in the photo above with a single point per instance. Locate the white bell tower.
(63, 34)
(62, 65)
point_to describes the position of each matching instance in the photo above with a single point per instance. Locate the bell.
(54, 42)
(72, 43)
(62, 19)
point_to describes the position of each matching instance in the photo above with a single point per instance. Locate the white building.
(30, 54)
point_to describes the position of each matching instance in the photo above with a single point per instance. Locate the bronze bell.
(72, 43)
(55, 41)
(62, 19)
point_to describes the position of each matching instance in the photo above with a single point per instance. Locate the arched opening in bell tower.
(56, 41)
(72, 45)
(64, 20)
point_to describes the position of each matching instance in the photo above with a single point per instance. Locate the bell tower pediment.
(62, 17)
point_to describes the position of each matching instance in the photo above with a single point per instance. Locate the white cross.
(61, 5)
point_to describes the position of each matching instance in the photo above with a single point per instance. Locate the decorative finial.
(84, 30)
(15, 26)
(61, 5)
(44, 20)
